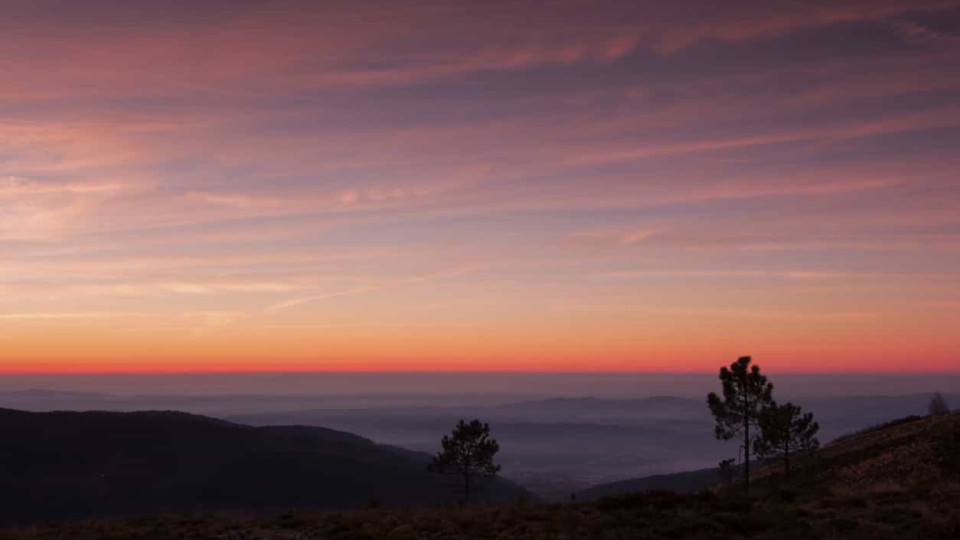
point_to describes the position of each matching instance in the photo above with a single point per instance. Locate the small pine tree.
(938, 405)
(786, 431)
(745, 393)
(726, 468)
(467, 452)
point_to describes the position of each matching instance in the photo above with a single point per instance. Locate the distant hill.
(81, 464)
(682, 482)
(899, 480)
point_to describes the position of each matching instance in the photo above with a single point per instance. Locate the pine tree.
(938, 405)
(786, 431)
(467, 452)
(745, 394)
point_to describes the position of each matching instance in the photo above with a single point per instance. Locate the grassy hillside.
(897, 481)
(76, 465)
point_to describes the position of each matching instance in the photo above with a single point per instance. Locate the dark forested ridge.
(80, 464)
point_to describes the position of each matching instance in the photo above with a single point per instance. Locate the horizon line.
(883, 372)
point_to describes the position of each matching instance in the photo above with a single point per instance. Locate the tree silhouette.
(726, 468)
(745, 394)
(938, 405)
(785, 430)
(467, 452)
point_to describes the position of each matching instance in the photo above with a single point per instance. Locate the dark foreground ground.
(899, 481)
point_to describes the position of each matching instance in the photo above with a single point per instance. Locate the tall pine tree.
(745, 394)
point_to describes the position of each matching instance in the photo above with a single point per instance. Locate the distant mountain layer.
(682, 482)
(83, 464)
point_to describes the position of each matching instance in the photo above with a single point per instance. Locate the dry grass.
(648, 516)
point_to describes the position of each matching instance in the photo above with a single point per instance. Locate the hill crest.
(88, 464)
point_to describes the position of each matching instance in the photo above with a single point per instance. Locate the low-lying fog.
(558, 432)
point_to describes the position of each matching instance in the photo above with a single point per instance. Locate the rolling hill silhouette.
(82, 464)
(899, 480)
(681, 482)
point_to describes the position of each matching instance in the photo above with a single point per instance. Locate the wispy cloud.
(323, 296)
(941, 304)
(440, 274)
(48, 316)
(726, 312)
(798, 275)
(205, 322)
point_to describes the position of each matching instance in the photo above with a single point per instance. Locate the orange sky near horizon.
(437, 186)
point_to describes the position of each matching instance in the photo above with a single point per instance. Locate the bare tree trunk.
(746, 460)
(466, 487)
(786, 458)
(746, 449)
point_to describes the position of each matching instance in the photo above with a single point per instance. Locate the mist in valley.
(559, 433)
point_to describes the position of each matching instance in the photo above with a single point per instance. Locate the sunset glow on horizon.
(479, 186)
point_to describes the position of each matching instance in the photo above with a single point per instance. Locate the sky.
(479, 186)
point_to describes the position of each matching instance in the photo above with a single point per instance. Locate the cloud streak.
(440, 274)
